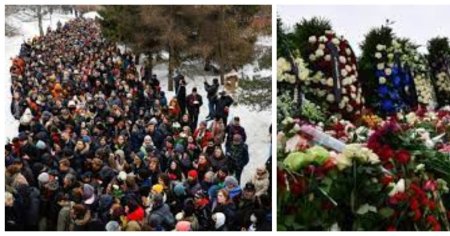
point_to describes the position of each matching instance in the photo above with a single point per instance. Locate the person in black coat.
(232, 129)
(211, 91)
(181, 97)
(223, 106)
(194, 102)
(237, 154)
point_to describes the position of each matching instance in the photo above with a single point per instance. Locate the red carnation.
(385, 153)
(391, 228)
(403, 157)
(417, 215)
(437, 227)
(386, 179)
(431, 205)
(432, 220)
(414, 204)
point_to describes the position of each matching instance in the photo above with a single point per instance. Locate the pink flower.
(430, 185)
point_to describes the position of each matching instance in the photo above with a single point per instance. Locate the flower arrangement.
(439, 61)
(334, 74)
(394, 179)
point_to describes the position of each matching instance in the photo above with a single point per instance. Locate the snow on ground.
(255, 123)
(27, 26)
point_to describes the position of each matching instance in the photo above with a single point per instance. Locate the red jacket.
(136, 215)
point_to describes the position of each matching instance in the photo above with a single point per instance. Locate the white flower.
(312, 57)
(322, 39)
(348, 51)
(329, 32)
(349, 108)
(335, 41)
(344, 91)
(348, 68)
(328, 57)
(399, 187)
(378, 55)
(319, 53)
(344, 72)
(388, 71)
(312, 39)
(342, 59)
(363, 209)
(321, 93)
(380, 66)
(380, 47)
(390, 56)
(382, 80)
(341, 104)
(322, 46)
(419, 167)
(330, 98)
(330, 82)
(353, 88)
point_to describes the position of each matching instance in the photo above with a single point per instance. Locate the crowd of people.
(101, 148)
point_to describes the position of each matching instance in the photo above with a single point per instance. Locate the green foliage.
(256, 93)
(306, 28)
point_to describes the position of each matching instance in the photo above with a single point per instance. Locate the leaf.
(289, 220)
(386, 212)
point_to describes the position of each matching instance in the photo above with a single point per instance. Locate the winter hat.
(231, 180)
(41, 145)
(23, 136)
(86, 139)
(179, 190)
(43, 178)
(141, 155)
(193, 174)
(153, 121)
(219, 219)
(105, 201)
(88, 194)
(179, 148)
(148, 138)
(249, 187)
(122, 176)
(158, 188)
(112, 226)
(183, 226)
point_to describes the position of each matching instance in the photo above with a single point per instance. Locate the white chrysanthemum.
(312, 39)
(348, 51)
(380, 66)
(344, 72)
(341, 104)
(335, 41)
(344, 91)
(322, 46)
(330, 82)
(353, 95)
(282, 66)
(378, 55)
(353, 88)
(390, 56)
(342, 59)
(321, 93)
(327, 57)
(329, 32)
(322, 39)
(319, 53)
(330, 98)
(388, 71)
(348, 68)
(381, 47)
(312, 57)
(349, 108)
(345, 99)
(382, 80)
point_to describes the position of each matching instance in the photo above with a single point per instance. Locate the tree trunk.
(221, 59)
(170, 69)
(39, 16)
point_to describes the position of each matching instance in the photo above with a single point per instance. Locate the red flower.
(431, 205)
(397, 198)
(437, 227)
(432, 220)
(403, 157)
(328, 165)
(298, 187)
(417, 215)
(386, 179)
(391, 228)
(385, 153)
(430, 185)
(414, 204)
